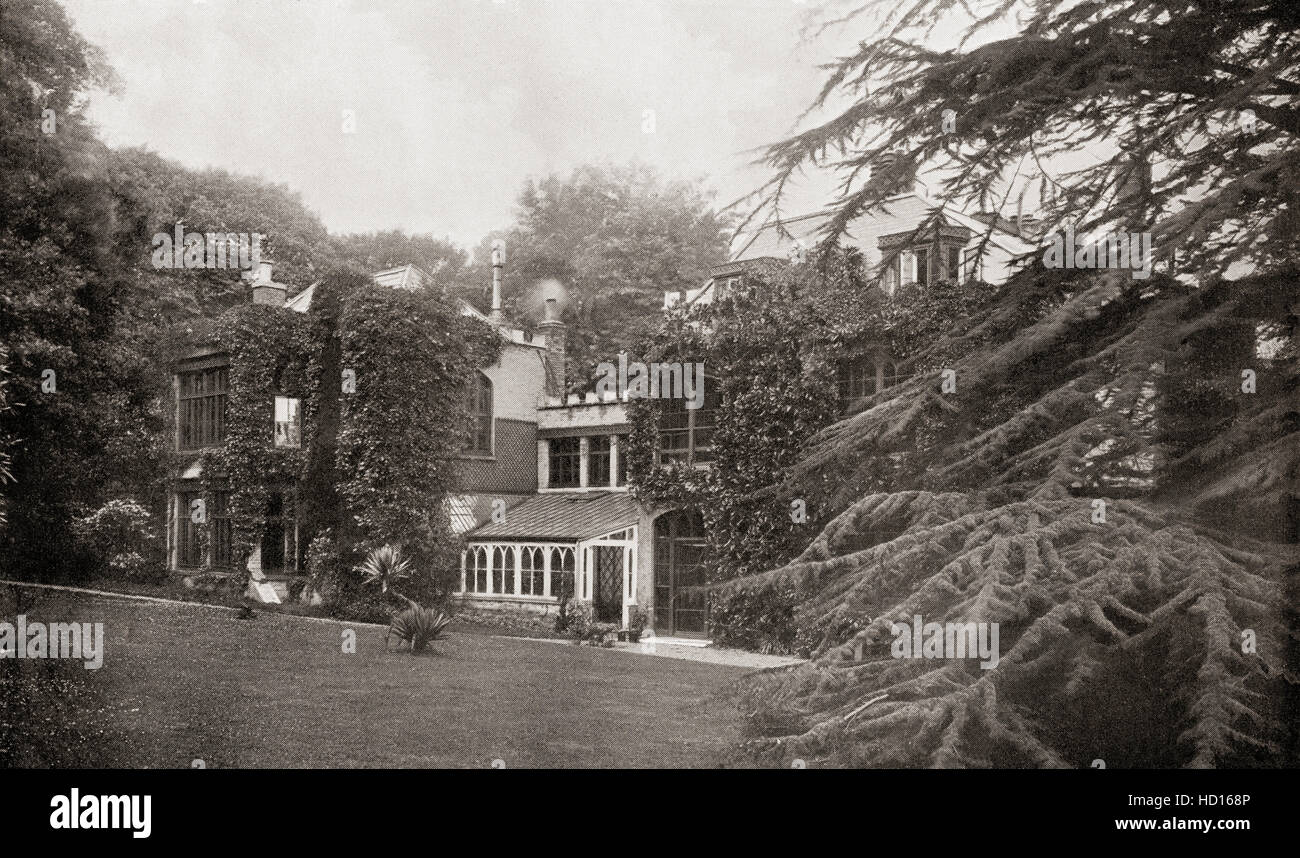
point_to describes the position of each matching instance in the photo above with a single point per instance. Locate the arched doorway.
(678, 552)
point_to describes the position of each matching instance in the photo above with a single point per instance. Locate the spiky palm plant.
(417, 626)
(386, 566)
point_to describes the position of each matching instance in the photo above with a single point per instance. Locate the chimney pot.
(497, 262)
(554, 331)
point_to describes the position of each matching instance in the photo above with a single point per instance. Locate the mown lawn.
(181, 683)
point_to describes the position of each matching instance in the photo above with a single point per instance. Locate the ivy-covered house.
(537, 494)
(584, 536)
(274, 416)
(908, 239)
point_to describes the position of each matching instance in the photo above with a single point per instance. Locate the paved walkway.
(704, 654)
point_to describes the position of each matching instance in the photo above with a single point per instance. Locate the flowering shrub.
(122, 539)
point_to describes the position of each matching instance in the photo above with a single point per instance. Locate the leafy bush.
(130, 566)
(761, 620)
(342, 595)
(296, 588)
(579, 620)
(562, 617)
(323, 566)
(417, 626)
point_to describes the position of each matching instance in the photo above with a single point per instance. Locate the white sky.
(457, 101)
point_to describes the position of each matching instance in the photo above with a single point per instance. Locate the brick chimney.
(555, 332)
(265, 291)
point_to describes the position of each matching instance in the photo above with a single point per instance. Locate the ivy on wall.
(265, 360)
(413, 358)
(774, 344)
(382, 375)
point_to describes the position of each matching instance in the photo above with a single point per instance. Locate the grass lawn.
(180, 683)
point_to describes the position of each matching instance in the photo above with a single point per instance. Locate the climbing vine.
(381, 376)
(262, 343)
(773, 344)
(411, 358)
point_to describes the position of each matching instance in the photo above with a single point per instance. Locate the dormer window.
(938, 253)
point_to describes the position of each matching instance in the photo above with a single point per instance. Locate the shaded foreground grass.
(181, 683)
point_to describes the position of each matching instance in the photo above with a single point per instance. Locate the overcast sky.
(456, 101)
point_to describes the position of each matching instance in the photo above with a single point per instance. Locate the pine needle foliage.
(1113, 478)
(1188, 111)
(1162, 635)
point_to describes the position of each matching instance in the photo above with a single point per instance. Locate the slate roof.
(567, 516)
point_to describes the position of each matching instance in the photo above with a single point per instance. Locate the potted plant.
(637, 620)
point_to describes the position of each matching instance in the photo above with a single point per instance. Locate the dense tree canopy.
(613, 239)
(443, 261)
(1105, 467)
(89, 327)
(62, 283)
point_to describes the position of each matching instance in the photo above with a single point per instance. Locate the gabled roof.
(401, 277)
(301, 302)
(410, 277)
(564, 516)
(767, 240)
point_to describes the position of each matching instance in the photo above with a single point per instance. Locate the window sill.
(511, 597)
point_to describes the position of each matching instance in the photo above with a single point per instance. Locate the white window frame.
(293, 409)
(965, 269)
(907, 267)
